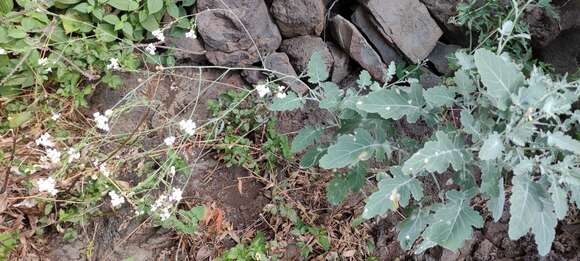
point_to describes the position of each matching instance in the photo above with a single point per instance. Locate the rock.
(341, 67)
(188, 49)
(442, 11)
(357, 47)
(225, 32)
(280, 64)
(407, 24)
(564, 52)
(428, 79)
(253, 75)
(361, 18)
(439, 56)
(299, 17)
(300, 49)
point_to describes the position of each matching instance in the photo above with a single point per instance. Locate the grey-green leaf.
(544, 228)
(317, 71)
(288, 103)
(380, 201)
(412, 227)
(305, 137)
(349, 149)
(124, 5)
(437, 155)
(390, 104)
(560, 198)
(464, 82)
(501, 78)
(564, 142)
(525, 201)
(453, 222)
(439, 96)
(496, 204)
(154, 6)
(492, 147)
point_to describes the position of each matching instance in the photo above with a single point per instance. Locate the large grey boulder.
(279, 64)
(299, 17)
(353, 42)
(236, 32)
(300, 49)
(361, 18)
(407, 24)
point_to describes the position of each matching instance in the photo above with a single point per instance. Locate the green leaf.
(364, 79)
(544, 228)
(501, 78)
(520, 135)
(439, 96)
(390, 104)
(490, 175)
(332, 95)
(464, 83)
(453, 222)
(525, 202)
(317, 71)
(337, 189)
(560, 198)
(288, 103)
(154, 6)
(19, 119)
(349, 150)
(111, 19)
(399, 186)
(311, 157)
(492, 147)
(124, 5)
(412, 227)
(173, 10)
(105, 33)
(564, 142)
(67, 2)
(150, 23)
(305, 137)
(436, 156)
(470, 125)
(6, 6)
(497, 203)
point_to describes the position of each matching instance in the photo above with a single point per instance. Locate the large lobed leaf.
(350, 149)
(437, 155)
(391, 104)
(500, 77)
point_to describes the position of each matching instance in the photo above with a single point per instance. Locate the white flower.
(188, 126)
(281, 95)
(47, 185)
(159, 202)
(2, 51)
(169, 140)
(150, 49)
(44, 140)
(109, 113)
(113, 64)
(116, 199)
(104, 169)
(42, 61)
(102, 121)
(506, 28)
(55, 116)
(53, 155)
(395, 196)
(262, 90)
(73, 154)
(191, 34)
(49, 69)
(172, 171)
(164, 214)
(176, 195)
(159, 35)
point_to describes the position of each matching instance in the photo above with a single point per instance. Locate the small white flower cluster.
(169, 141)
(45, 140)
(55, 116)
(191, 34)
(159, 35)
(165, 202)
(150, 48)
(42, 61)
(188, 126)
(2, 51)
(47, 185)
(506, 28)
(262, 90)
(102, 121)
(52, 154)
(281, 94)
(113, 64)
(116, 199)
(395, 196)
(73, 154)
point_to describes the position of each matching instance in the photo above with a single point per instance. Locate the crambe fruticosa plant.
(493, 128)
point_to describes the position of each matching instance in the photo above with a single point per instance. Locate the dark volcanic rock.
(564, 52)
(442, 11)
(341, 67)
(407, 24)
(187, 48)
(439, 56)
(361, 18)
(280, 64)
(354, 43)
(299, 17)
(225, 31)
(300, 49)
